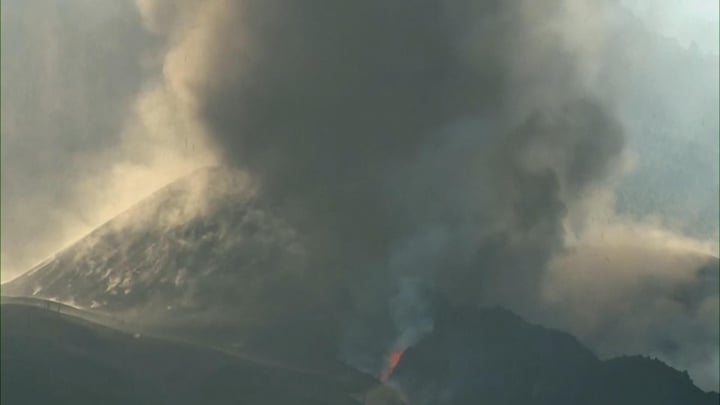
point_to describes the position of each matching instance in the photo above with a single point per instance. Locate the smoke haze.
(343, 113)
(417, 145)
(87, 129)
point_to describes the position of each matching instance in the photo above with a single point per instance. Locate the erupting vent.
(392, 362)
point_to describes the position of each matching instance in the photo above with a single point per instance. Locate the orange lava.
(392, 362)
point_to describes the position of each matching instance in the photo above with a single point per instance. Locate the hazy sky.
(687, 20)
(74, 152)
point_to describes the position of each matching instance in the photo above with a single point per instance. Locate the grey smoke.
(342, 112)
(412, 265)
(639, 297)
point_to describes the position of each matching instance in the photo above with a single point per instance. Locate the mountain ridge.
(494, 355)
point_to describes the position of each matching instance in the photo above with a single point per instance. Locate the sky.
(687, 20)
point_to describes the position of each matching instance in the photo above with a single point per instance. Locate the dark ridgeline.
(487, 356)
(49, 358)
(493, 356)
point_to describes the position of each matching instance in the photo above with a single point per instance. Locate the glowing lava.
(392, 362)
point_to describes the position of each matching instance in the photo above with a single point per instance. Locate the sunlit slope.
(198, 243)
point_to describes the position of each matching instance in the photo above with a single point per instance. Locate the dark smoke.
(419, 144)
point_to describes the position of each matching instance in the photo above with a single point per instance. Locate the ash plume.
(452, 146)
(369, 124)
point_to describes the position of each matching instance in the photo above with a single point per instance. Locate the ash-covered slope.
(196, 244)
(199, 259)
(493, 356)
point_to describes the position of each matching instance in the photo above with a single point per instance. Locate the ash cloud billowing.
(349, 116)
(418, 146)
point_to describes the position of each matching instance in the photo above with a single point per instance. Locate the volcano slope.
(52, 358)
(196, 244)
(493, 356)
(199, 259)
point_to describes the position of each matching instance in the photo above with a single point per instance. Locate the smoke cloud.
(422, 146)
(350, 117)
(639, 298)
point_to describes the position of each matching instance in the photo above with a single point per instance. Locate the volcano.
(202, 260)
(198, 259)
(199, 234)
